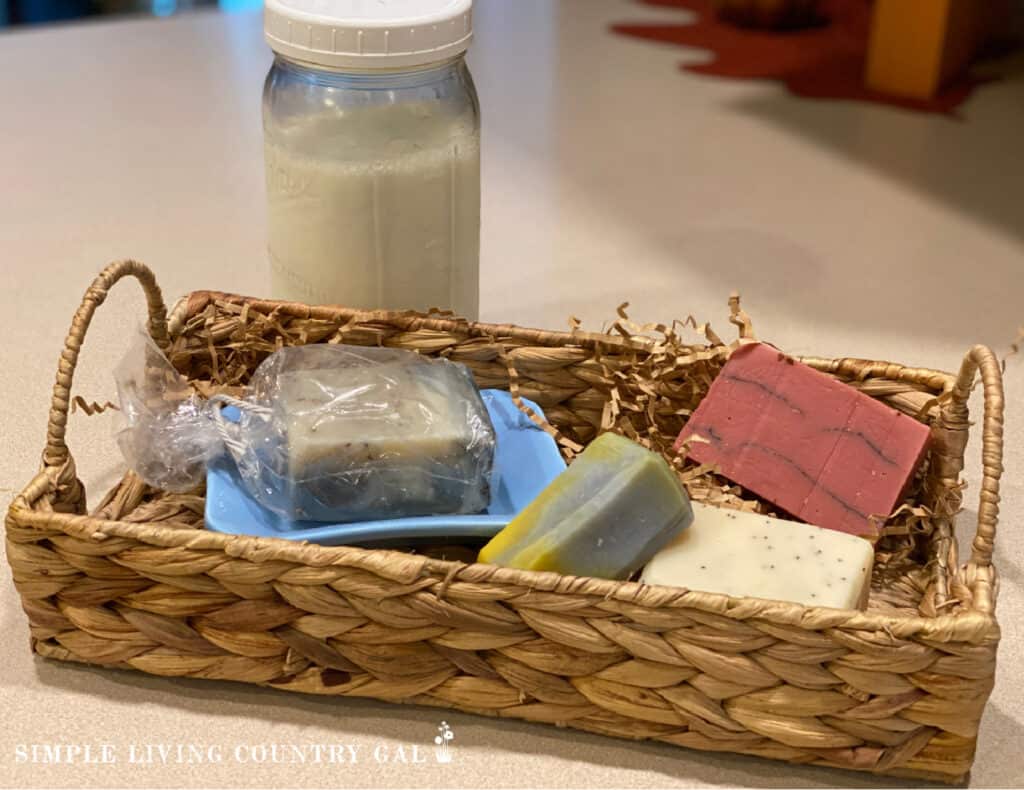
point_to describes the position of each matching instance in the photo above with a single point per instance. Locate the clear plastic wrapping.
(345, 433)
(325, 432)
(167, 435)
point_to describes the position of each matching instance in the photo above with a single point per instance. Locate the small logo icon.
(442, 751)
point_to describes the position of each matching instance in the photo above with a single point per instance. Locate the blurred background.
(35, 12)
(753, 13)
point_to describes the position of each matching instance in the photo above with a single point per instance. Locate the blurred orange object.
(770, 14)
(917, 46)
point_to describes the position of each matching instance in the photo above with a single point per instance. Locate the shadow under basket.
(897, 689)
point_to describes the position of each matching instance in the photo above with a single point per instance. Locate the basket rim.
(972, 626)
(192, 303)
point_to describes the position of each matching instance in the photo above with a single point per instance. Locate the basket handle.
(56, 453)
(982, 359)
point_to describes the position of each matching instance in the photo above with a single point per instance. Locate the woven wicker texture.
(899, 688)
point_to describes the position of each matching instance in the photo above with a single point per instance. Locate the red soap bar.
(807, 443)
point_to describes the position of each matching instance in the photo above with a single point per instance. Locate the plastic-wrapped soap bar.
(605, 516)
(354, 434)
(750, 555)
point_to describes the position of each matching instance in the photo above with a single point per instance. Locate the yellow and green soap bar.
(613, 509)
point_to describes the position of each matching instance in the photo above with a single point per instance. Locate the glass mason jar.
(372, 140)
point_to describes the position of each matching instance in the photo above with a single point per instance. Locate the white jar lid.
(368, 34)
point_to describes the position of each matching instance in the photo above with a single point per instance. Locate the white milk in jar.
(373, 171)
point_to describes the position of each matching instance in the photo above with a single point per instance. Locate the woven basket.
(897, 689)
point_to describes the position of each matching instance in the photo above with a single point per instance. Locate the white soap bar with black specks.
(750, 555)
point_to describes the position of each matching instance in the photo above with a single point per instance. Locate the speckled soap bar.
(813, 446)
(380, 438)
(750, 555)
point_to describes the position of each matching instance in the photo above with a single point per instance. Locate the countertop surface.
(609, 175)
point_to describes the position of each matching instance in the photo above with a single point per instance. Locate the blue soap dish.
(526, 459)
